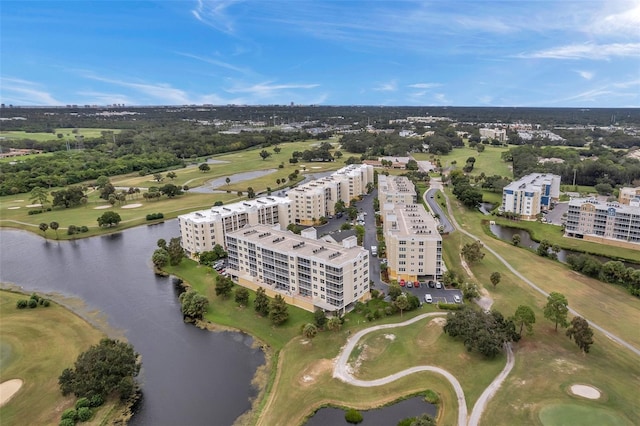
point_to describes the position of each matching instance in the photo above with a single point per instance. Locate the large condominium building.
(531, 194)
(498, 134)
(628, 194)
(610, 223)
(202, 230)
(396, 190)
(307, 272)
(413, 243)
(317, 199)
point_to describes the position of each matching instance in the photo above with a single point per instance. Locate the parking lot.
(442, 295)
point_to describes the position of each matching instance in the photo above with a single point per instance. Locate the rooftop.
(235, 208)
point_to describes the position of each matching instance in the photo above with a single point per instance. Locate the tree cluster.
(613, 271)
(469, 195)
(193, 305)
(485, 332)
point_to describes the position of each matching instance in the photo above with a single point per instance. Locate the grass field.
(488, 161)
(37, 344)
(66, 132)
(578, 414)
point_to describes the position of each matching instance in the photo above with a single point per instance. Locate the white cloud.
(24, 92)
(623, 23)
(587, 75)
(586, 51)
(268, 89)
(214, 14)
(390, 86)
(100, 98)
(218, 63)
(425, 86)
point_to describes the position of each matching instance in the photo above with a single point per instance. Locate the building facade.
(413, 243)
(316, 199)
(497, 134)
(610, 223)
(309, 273)
(531, 194)
(202, 230)
(396, 190)
(628, 194)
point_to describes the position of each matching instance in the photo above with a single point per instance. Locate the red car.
(402, 283)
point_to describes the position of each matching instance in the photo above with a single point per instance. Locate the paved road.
(429, 198)
(535, 287)
(341, 368)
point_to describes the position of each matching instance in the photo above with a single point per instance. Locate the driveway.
(432, 202)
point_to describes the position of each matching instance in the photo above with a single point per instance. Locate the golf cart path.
(342, 372)
(532, 284)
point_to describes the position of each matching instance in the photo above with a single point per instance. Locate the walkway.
(342, 372)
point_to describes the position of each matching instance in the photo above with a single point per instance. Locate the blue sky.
(570, 53)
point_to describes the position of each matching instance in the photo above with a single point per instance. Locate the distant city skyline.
(443, 53)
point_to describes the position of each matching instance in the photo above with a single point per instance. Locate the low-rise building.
(610, 223)
(413, 243)
(202, 230)
(628, 194)
(309, 273)
(396, 190)
(497, 134)
(531, 194)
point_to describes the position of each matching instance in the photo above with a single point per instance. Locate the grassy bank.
(35, 346)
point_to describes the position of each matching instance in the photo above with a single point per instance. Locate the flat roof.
(412, 220)
(623, 208)
(532, 181)
(218, 212)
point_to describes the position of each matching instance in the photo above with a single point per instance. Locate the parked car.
(431, 284)
(456, 299)
(438, 284)
(428, 298)
(402, 283)
(416, 284)
(409, 284)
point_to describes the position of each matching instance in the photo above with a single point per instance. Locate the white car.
(438, 284)
(428, 298)
(456, 299)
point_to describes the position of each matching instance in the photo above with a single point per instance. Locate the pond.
(189, 376)
(383, 416)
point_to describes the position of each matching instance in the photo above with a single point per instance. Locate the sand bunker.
(316, 167)
(585, 391)
(132, 206)
(391, 337)
(8, 389)
(17, 201)
(13, 208)
(102, 207)
(34, 205)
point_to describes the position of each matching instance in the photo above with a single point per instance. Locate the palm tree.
(43, 227)
(55, 225)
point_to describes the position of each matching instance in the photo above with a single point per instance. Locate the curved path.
(341, 371)
(533, 285)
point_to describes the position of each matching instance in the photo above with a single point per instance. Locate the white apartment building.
(498, 134)
(413, 243)
(396, 190)
(531, 194)
(628, 194)
(202, 230)
(610, 223)
(307, 272)
(316, 199)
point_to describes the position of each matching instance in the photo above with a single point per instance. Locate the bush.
(353, 416)
(85, 414)
(450, 306)
(407, 422)
(32, 303)
(155, 216)
(84, 229)
(71, 414)
(67, 422)
(46, 303)
(83, 402)
(21, 304)
(431, 397)
(32, 212)
(96, 401)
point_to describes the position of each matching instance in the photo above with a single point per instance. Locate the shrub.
(72, 229)
(85, 414)
(32, 212)
(407, 422)
(67, 422)
(21, 304)
(32, 303)
(34, 297)
(84, 229)
(71, 414)
(46, 303)
(83, 402)
(96, 401)
(450, 306)
(431, 397)
(155, 216)
(353, 416)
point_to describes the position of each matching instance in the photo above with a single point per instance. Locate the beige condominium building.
(309, 273)
(628, 194)
(610, 223)
(396, 190)
(413, 243)
(531, 194)
(202, 230)
(317, 199)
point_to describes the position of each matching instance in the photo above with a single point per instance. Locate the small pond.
(383, 416)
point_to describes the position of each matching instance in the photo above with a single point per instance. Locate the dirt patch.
(8, 389)
(132, 206)
(311, 373)
(566, 366)
(585, 391)
(440, 322)
(391, 337)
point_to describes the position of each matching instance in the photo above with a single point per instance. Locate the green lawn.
(579, 415)
(66, 132)
(488, 162)
(37, 344)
